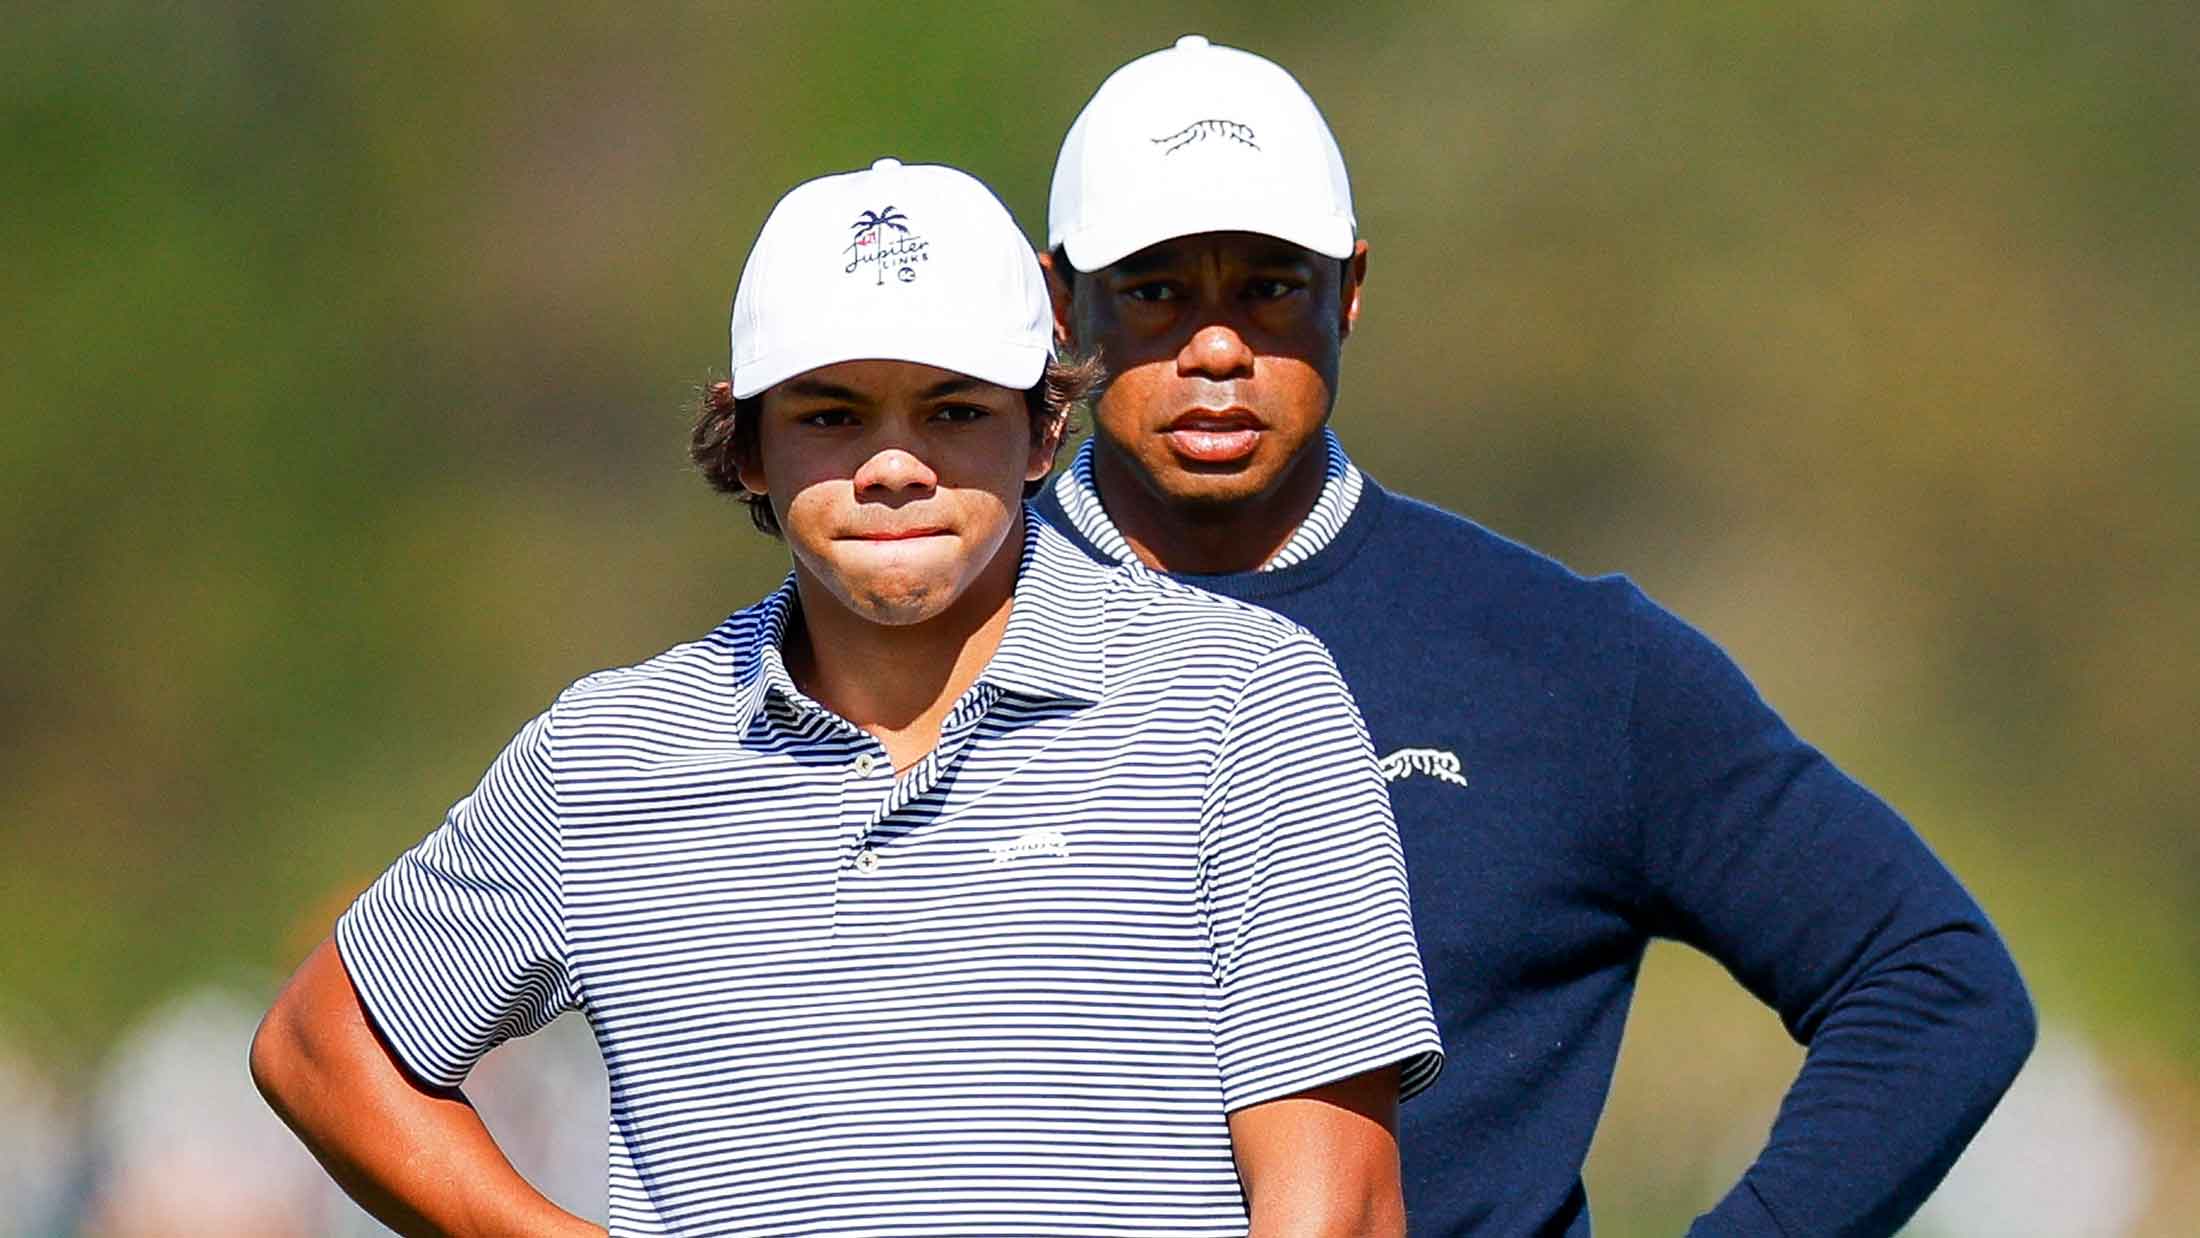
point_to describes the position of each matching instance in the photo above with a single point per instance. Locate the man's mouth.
(1214, 436)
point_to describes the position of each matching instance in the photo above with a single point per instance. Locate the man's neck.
(1204, 539)
(898, 681)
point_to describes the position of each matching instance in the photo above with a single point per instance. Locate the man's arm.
(417, 1158)
(1323, 1163)
(1831, 910)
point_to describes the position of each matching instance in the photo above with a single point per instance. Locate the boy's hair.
(725, 433)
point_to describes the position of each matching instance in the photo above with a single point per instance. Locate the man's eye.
(828, 417)
(1271, 289)
(961, 414)
(1152, 292)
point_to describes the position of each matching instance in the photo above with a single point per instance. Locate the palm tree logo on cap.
(867, 225)
(883, 240)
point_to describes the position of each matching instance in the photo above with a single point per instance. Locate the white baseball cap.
(895, 263)
(1197, 138)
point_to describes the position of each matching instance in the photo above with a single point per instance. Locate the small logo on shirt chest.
(1434, 762)
(1031, 845)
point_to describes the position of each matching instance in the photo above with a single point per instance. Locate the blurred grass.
(348, 353)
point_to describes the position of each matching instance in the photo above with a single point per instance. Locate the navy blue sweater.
(1576, 771)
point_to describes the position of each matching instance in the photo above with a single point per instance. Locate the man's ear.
(1062, 294)
(1348, 290)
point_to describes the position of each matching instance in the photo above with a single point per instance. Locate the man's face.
(1222, 351)
(895, 484)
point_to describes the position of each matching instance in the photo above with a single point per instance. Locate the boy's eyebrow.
(819, 389)
(823, 390)
(950, 386)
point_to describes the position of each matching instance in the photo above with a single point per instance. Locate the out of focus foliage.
(348, 348)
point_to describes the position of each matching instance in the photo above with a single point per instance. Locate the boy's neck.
(898, 681)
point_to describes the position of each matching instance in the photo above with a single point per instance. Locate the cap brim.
(1005, 363)
(1092, 248)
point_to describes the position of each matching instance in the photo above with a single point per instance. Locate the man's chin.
(1210, 491)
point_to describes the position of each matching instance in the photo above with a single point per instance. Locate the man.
(1574, 770)
(961, 886)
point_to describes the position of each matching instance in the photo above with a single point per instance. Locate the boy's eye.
(828, 417)
(1152, 291)
(959, 414)
(1270, 289)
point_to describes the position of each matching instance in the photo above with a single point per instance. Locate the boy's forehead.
(865, 381)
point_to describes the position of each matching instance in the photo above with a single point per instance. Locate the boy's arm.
(1323, 1021)
(417, 1158)
(1323, 1163)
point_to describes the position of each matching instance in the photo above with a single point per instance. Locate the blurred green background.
(348, 350)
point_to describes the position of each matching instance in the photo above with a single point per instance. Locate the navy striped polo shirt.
(1148, 876)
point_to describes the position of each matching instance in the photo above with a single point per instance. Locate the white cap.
(1197, 138)
(897, 263)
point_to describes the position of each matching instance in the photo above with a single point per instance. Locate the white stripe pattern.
(1341, 484)
(1149, 876)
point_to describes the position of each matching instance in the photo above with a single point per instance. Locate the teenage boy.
(961, 886)
(1575, 771)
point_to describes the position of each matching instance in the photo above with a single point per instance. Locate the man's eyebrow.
(823, 390)
(1157, 260)
(1280, 256)
(1147, 262)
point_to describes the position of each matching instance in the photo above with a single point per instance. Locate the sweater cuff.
(1740, 1215)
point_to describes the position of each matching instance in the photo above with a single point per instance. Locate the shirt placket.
(871, 795)
(866, 778)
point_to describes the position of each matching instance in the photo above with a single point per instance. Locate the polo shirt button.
(864, 765)
(867, 861)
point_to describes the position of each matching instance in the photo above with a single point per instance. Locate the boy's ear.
(1045, 449)
(751, 474)
(748, 466)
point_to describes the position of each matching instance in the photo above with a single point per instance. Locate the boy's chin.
(897, 600)
(901, 613)
(898, 584)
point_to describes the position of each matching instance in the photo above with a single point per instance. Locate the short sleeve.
(1304, 882)
(460, 945)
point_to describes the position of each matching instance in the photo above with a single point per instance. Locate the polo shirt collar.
(1051, 650)
(1053, 647)
(759, 670)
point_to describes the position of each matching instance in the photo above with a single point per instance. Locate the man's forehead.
(1243, 248)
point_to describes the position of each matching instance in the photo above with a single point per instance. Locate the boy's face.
(895, 484)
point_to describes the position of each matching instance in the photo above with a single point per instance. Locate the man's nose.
(1216, 351)
(894, 470)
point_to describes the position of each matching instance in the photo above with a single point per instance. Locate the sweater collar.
(1342, 483)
